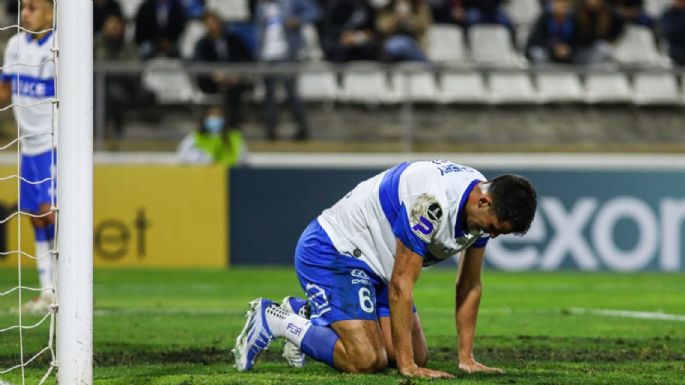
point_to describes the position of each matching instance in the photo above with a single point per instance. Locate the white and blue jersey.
(28, 67)
(419, 203)
(344, 259)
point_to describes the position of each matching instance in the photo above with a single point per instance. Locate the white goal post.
(75, 192)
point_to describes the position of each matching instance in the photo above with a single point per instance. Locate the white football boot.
(255, 336)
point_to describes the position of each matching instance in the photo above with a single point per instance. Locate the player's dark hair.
(514, 200)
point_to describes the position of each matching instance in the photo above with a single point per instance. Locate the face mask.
(214, 124)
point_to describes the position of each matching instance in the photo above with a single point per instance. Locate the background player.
(28, 78)
(359, 260)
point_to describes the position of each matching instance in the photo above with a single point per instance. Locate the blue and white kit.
(29, 68)
(344, 259)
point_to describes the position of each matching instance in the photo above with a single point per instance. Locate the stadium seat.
(446, 44)
(654, 88)
(607, 87)
(415, 82)
(230, 10)
(511, 87)
(491, 45)
(559, 87)
(656, 8)
(193, 32)
(318, 83)
(129, 8)
(523, 11)
(366, 82)
(462, 87)
(169, 81)
(637, 46)
(311, 49)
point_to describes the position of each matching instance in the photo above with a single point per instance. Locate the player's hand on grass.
(416, 371)
(473, 366)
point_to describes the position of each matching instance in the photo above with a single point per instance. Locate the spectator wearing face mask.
(213, 142)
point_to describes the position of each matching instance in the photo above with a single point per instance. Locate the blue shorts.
(339, 287)
(37, 168)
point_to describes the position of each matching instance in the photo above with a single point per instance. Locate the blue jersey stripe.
(458, 231)
(396, 213)
(389, 192)
(31, 86)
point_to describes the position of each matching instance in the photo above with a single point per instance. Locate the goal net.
(47, 84)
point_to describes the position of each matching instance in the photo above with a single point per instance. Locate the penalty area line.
(628, 314)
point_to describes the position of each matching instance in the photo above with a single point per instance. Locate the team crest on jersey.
(425, 217)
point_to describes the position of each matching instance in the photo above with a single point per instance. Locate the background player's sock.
(44, 265)
(315, 341)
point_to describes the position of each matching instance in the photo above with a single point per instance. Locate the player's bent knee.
(372, 360)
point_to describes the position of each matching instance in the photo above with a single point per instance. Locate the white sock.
(284, 323)
(44, 265)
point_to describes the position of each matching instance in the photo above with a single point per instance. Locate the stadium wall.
(594, 214)
(145, 215)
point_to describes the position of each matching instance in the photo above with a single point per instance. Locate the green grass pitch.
(177, 327)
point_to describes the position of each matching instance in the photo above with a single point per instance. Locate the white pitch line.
(629, 314)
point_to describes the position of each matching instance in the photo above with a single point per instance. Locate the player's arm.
(468, 293)
(400, 292)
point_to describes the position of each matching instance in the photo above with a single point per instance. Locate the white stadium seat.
(318, 83)
(169, 81)
(523, 11)
(511, 87)
(416, 83)
(637, 46)
(607, 87)
(230, 10)
(193, 32)
(462, 87)
(366, 82)
(651, 88)
(491, 44)
(446, 44)
(559, 87)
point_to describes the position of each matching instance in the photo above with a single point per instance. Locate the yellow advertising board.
(144, 216)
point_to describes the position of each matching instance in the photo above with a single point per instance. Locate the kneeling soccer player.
(358, 262)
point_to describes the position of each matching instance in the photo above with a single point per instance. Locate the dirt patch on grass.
(490, 348)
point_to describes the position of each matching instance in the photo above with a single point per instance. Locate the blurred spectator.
(194, 9)
(673, 30)
(441, 11)
(633, 12)
(279, 40)
(348, 31)
(213, 142)
(221, 46)
(159, 24)
(102, 9)
(552, 38)
(482, 12)
(598, 28)
(120, 90)
(403, 25)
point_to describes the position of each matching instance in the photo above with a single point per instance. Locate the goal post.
(75, 192)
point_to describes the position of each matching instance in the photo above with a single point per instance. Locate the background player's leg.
(418, 340)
